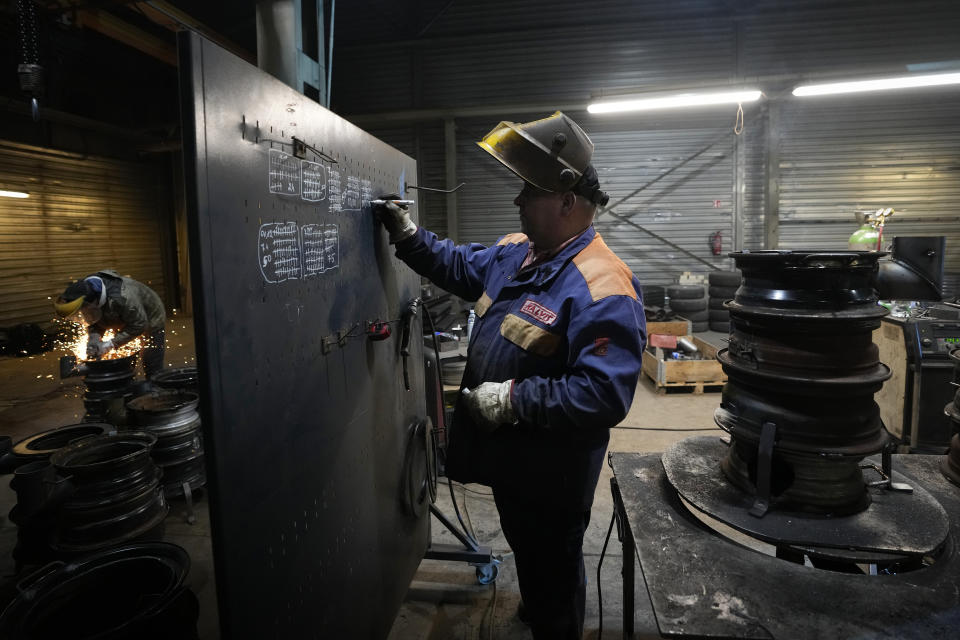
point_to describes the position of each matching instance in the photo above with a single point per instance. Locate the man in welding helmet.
(553, 361)
(107, 300)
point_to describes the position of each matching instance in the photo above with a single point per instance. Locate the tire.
(699, 327)
(696, 316)
(685, 291)
(723, 292)
(722, 327)
(719, 315)
(652, 295)
(717, 303)
(725, 278)
(686, 304)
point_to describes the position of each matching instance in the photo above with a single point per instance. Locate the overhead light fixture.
(880, 84)
(14, 194)
(675, 100)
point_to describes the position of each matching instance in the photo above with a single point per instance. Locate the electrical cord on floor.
(603, 552)
(491, 622)
(665, 429)
(485, 494)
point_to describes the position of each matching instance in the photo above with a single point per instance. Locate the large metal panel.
(841, 155)
(84, 213)
(306, 434)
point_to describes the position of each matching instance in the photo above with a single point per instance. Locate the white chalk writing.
(278, 250)
(313, 182)
(331, 246)
(312, 246)
(334, 190)
(284, 173)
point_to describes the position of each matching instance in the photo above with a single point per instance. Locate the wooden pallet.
(696, 387)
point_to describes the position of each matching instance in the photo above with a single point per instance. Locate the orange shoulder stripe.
(605, 273)
(512, 238)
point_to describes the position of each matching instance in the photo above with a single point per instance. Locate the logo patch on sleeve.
(600, 346)
(539, 312)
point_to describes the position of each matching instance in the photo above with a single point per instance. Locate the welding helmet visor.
(551, 153)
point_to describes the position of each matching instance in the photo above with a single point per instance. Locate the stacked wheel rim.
(793, 313)
(172, 417)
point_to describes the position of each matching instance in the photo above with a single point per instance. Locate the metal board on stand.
(306, 421)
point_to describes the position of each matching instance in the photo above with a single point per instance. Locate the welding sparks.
(72, 337)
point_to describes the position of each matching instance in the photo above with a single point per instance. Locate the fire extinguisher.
(716, 243)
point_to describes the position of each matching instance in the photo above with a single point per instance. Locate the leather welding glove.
(96, 348)
(489, 404)
(396, 218)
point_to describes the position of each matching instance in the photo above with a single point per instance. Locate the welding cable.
(667, 429)
(466, 512)
(436, 349)
(453, 498)
(485, 494)
(491, 623)
(599, 566)
(456, 509)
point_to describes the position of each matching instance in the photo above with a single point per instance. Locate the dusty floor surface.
(445, 601)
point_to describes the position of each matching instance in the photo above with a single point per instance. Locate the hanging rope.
(738, 123)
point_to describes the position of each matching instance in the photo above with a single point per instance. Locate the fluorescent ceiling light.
(676, 100)
(882, 84)
(14, 194)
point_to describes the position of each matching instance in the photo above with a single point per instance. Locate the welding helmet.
(551, 153)
(72, 298)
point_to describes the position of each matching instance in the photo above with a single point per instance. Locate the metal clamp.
(761, 503)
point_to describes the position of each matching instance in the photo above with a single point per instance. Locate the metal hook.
(413, 186)
(299, 145)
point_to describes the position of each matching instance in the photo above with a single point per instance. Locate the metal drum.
(40, 446)
(126, 592)
(116, 496)
(172, 417)
(182, 379)
(107, 385)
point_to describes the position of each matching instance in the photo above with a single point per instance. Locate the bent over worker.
(553, 361)
(107, 300)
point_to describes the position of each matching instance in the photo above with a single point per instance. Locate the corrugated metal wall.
(484, 62)
(863, 153)
(84, 213)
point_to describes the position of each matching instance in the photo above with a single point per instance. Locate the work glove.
(96, 348)
(489, 404)
(395, 217)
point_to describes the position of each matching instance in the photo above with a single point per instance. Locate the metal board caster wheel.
(487, 573)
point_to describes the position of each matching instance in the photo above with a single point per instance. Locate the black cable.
(486, 494)
(453, 498)
(666, 429)
(463, 526)
(599, 566)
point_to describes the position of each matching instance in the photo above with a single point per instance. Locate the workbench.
(703, 585)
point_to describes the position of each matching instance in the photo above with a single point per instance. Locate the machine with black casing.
(914, 270)
(917, 349)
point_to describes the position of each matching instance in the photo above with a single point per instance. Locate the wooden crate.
(692, 374)
(675, 328)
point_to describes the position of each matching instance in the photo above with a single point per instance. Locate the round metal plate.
(895, 522)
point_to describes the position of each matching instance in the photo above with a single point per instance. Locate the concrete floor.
(444, 602)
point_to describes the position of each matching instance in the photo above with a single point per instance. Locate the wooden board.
(893, 353)
(674, 328)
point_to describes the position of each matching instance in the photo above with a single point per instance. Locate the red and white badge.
(539, 312)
